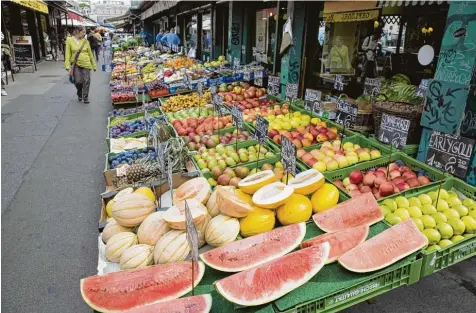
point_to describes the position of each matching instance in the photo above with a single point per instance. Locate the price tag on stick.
(450, 153)
(394, 131)
(274, 85)
(346, 113)
(246, 74)
(258, 78)
(192, 238)
(288, 156)
(339, 83)
(261, 129)
(371, 87)
(291, 91)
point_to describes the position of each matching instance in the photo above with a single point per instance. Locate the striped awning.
(406, 3)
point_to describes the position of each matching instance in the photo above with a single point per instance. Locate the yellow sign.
(355, 16)
(36, 5)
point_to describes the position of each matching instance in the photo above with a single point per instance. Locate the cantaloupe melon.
(201, 228)
(137, 256)
(172, 247)
(130, 210)
(212, 203)
(196, 188)
(273, 195)
(118, 243)
(146, 191)
(175, 215)
(152, 229)
(231, 204)
(307, 182)
(253, 182)
(221, 230)
(112, 228)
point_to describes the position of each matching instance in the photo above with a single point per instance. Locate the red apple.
(403, 186)
(300, 153)
(369, 179)
(351, 187)
(339, 184)
(423, 180)
(409, 175)
(404, 169)
(386, 189)
(413, 182)
(356, 177)
(365, 189)
(272, 133)
(377, 195)
(380, 173)
(393, 166)
(311, 162)
(394, 174)
(398, 180)
(374, 190)
(306, 157)
(379, 181)
(383, 169)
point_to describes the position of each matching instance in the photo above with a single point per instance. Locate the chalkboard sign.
(200, 88)
(339, 83)
(169, 171)
(422, 89)
(261, 129)
(291, 91)
(274, 85)
(246, 74)
(218, 104)
(23, 55)
(288, 155)
(191, 235)
(213, 90)
(346, 113)
(394, 131)
(312, 100)
(258, 78)
(237, 117)
(187, 81)
(371, 86)
(450, 153)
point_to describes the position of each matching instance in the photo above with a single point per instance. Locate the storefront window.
(24, 23)
(265, 41)
(340, 44)
(206, 33)
(191, 35)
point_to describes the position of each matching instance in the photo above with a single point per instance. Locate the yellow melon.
(257, 222)
(112, 228)
(152, 229)
(231, 204)
(273, 195)
(117, 244)
(175, 215)
(130, 210)
(172, 247)
(307, 182)
(196, 188)
(109, 206)
(253, 182)
(221, 230)
(137, 256)
(296, 210)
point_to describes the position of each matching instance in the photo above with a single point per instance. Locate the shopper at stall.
(369, 46)
(94, 43)
(338, 60)
(159, 37)
(80, 60)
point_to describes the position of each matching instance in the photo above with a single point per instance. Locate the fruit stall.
(284, 209)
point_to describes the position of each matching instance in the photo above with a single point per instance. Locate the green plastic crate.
(411, 150)
(132, 116)
(435, 176)
(457, 252)
(357, 139)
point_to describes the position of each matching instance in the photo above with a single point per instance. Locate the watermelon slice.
(195, 304)
(385, 249)
(360, 210)
(125, 290)
(269, 281)
(341, 241)
(252, 251)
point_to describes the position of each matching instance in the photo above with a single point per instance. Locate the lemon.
(461, 209)
(444, 194)
(297, 209)
(439, 217)
(428, 209)
(258, 221)
(451, 213)
(146, 191)
(453, 201)
(457, 238)
(385, 210)
(414, 211)
(391, 204)
(425, 199)
(468, 202)
(441, 205)
(109, 206)
(428, 221)
(402, 213)
(325, 198)
(402, 202)
(415, 202)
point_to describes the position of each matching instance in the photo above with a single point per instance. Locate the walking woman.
(79, 61)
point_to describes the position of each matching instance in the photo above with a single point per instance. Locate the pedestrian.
(99, 37)
(54, 44)
(370, 47)
(80, 56)
(5, 56)
(163, 39)
(94, 43)
(158, 38)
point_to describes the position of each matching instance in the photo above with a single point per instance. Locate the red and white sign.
(22, 40)
(75, 16)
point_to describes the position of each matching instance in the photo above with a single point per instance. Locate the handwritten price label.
(312, 100)
(291, 91)
(261, 129)
(371, 86)
(288, 155)
(346, 114)
(237, 116)
(339, 83)
(274, 85)
(394, 130)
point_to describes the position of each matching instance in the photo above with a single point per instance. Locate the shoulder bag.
(71, 73)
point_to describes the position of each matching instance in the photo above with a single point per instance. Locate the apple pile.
(305, 136)
(198, 126)
(331, 157)
(225, 156)
(231, 177)
(399, 178)
(209, 140)
(249, 115)
(244, 96)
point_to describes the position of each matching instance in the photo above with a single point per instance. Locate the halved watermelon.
(341, 241)
(269, 281)
(125, 290)
(385, 249)
(360, 210)
(195, 304)
(243, 254)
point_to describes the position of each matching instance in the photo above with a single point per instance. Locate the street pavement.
(52, 161)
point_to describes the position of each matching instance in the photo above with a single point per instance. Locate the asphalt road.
(52, 161)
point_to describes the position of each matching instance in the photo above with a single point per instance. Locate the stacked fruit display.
(127, 128)
(249, 114)
(232, 176)
(209, 140)
(182, 102)
(121, 119)
(147, 106)
(129, 156)
(383, 181)
(193, 125)
(224, 156)
(244, 96)
(441, 216)
(332, 156)
(303, 137)
(194, 112)
(123, 96)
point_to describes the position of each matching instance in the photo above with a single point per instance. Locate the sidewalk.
(27, 83)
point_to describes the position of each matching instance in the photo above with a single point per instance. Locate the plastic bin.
(132, 116)
(411, 150)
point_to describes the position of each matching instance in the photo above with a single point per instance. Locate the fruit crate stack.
(411, 150)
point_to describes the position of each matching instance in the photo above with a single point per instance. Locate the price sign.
(258, 78)
(371, 86)
(422, 89)
(187, 82)
(146, 118)
(169, 172)
(346, 113)
(274, 85)
(236, 62)
(291, 91)
(213, 90)
(312, 100)
(288, 155)
(450, 153)
(247, 74)
(200, 88)
(261, 129)
(339, 83)
(218, 104)
(191, 232)
(237, 117)
(394, 130)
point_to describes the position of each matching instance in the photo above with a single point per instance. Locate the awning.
(158, 7)
(355, 16)
(407, 3)
(75, 15)
(36, 5)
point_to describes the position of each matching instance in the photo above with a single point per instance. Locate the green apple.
(470, 224)
(451, 213)
(445, 230)
(414, 211)
(441, 205)
(414, 201)
(428, 221)
(433, 235)
(445, 243)
(222, 164)
(425, 199)
(428, 209)
(458, 225)
(230, 161)
(391, 204)
(418, 223)
(461, 209)
(439, 217)
(402, 213)
(402, 202)
(454, 201)
(393, 219)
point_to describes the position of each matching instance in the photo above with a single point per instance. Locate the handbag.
(71, 72)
